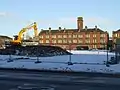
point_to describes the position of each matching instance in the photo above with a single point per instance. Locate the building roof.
(72, 30)
(4, 37)
(116, 31)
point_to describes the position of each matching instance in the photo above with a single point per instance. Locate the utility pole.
(10, 58)
(107, 64)
(37, 57)
(70, 52)
(69, 62)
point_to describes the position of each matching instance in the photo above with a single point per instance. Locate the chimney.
(96, 28)
(80, 23)
(85, 27)
(59, 28)
(49, 29)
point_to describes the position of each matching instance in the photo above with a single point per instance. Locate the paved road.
(24, 80)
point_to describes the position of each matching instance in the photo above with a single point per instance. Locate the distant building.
(3, 40)
(116, 44)
(116, 38)
(93, 38)
(115, 35)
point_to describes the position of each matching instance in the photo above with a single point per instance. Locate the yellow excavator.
(19, 38)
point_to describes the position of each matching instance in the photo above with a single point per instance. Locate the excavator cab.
(15, 37)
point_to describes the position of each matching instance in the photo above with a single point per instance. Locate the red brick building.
(71, 38)
(116, 38)
(115, 35)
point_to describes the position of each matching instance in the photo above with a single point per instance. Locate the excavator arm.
(35, 29)
(18, 39)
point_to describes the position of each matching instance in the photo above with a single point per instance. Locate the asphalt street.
(26, 80)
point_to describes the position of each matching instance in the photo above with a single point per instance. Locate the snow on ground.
(82, 61)
(98, 52)
(75, 58)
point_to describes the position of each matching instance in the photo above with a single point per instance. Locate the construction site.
(23, 44)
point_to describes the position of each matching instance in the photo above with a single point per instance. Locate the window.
(80, 36)
(64, 41)
(74, 41)
(64, 36)
(115, 35)
(80, 41)
(74, 36)
(41, 41)
(41, 36)
(59, 41)
(118, 35)
(87, 41)
(69, 41)
(102, 35)
(114, 40)
(70, 36)
(53, 41)
(47, 41)
(59, 36)
(47, 36)
(53, 36)
(94, 46)
(102, 46)
(87, 35)
(102, 41)
(94, 40)
(94, 35)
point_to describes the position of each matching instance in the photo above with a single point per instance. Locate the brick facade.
(115, 38)
(71, 38)
(115, 35)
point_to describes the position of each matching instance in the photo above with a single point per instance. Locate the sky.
(17, 14)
